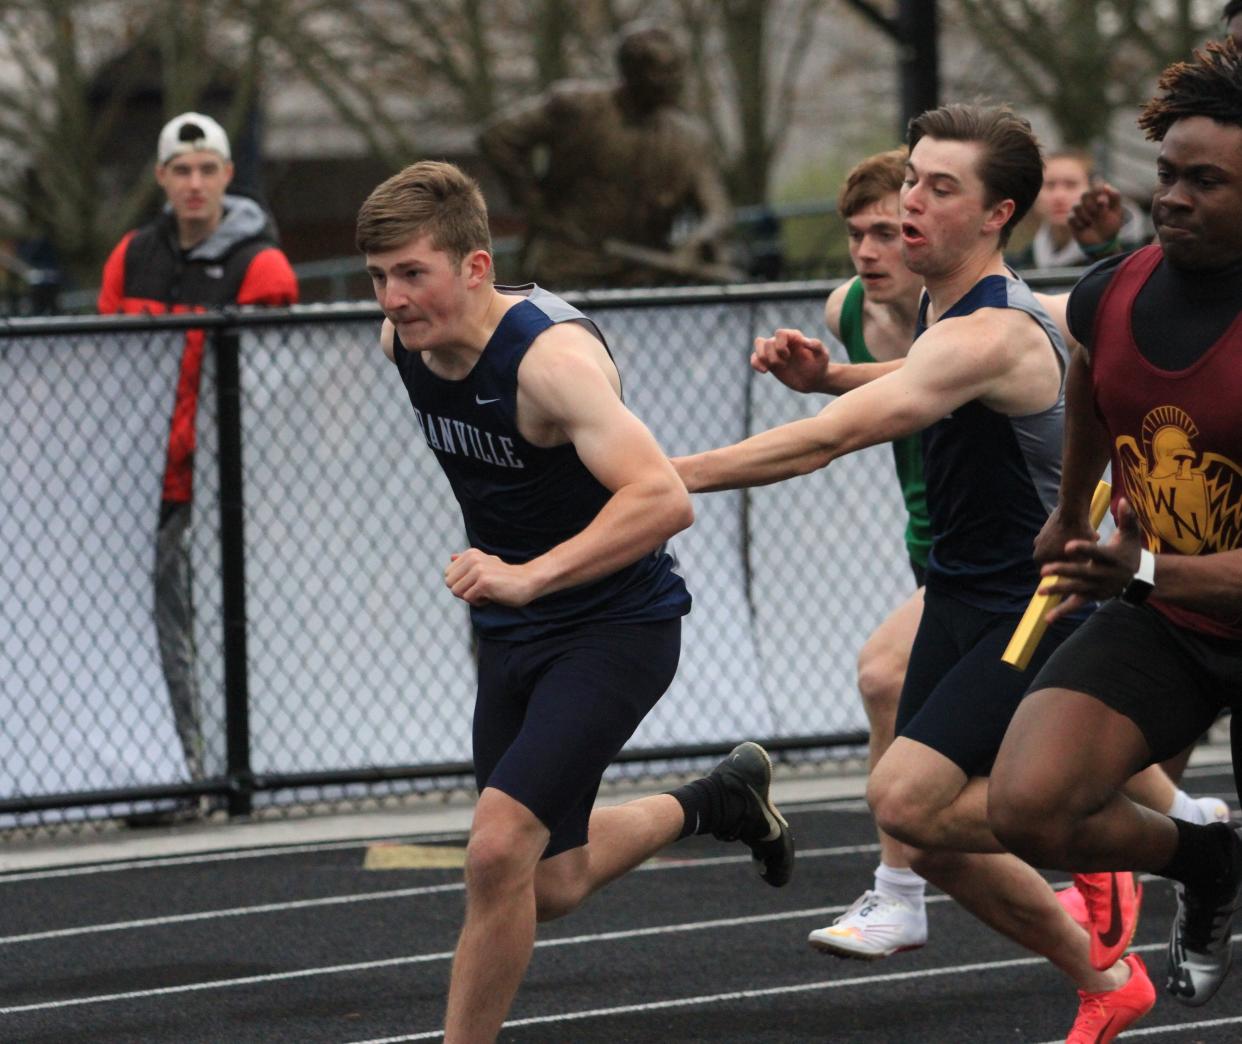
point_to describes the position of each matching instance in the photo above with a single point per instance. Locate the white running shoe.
(875, 926)
(1212, 810)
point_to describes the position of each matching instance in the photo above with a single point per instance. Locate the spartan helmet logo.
(1185, 501)
(1171, 453)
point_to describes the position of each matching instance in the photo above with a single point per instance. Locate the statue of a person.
(603, 171)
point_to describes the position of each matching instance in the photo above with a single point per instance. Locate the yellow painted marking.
(413, 857)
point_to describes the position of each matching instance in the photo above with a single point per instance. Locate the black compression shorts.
(553, 713)
(1170, 681)
(959, 696)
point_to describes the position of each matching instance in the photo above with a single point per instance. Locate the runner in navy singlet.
(567, 501)
(983, 380)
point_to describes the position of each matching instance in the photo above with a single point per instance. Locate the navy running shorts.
(1170, 681)
(959, 696)
(552, 714)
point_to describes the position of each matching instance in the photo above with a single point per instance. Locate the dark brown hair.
(1010, 165)
(428, 198)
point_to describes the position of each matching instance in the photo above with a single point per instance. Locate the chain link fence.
(333, 665)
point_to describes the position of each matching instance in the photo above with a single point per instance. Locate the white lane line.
(1176, 1027)
(217, 856)
(772, 991)
(396, 893)
(573, 940)
(238, 911)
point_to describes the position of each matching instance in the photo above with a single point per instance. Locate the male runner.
(567, 501)
(874, 316)
(984, 377)
(1154, 388)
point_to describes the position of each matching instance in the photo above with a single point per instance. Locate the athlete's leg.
(891, 916)
(930, 789)
(1154, 788)
(621, 837)
(549, 717)
(1011, 897)
(882, 667)
(1151, 788)
(506, 841)
(1098, 713)
(1056, 795)
(1051, 793)
(925, 800)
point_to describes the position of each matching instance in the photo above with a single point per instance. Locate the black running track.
(301, 944)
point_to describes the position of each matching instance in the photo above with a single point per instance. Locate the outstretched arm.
(566, 389)
(953, 363)
(803, 364)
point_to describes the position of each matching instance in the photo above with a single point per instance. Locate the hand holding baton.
(1030, 629)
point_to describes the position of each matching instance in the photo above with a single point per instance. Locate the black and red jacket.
(147, 271)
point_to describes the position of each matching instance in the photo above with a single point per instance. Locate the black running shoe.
(1201, 944)
(747, 774)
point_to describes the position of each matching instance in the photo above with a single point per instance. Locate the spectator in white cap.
(208, 248)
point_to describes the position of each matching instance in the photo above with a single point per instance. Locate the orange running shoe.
(1101, 1016)
(1072, 901)
(1112, 901)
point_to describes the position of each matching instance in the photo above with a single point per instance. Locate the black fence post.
(227, 343)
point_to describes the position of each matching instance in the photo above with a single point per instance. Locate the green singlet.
(907, 451)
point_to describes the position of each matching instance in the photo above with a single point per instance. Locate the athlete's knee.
(880, 678)
(493, 866)
(899, 808)
(501, 857)
(1030, 823)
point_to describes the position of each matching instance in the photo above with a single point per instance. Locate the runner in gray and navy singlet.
(519, 500)
(984, 380)
(991, 479)
(991, 484)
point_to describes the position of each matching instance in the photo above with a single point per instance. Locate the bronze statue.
(602, 172)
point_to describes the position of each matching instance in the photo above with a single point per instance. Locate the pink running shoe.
(1112, 900)
(1101, 1016)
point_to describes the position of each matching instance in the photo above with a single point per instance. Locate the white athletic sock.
(1185, 809)
(900, 883)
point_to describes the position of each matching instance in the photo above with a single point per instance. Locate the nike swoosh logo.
(1104, 1030)
(484, 402)
(773, 823)
(1110, 937)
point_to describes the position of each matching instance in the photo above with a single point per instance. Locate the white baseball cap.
(190, 132)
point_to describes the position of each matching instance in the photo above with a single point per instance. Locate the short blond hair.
(428, 198)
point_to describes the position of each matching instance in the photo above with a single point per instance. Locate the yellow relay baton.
(1031, 627)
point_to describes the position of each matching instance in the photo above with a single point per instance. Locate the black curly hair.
(1210, 84)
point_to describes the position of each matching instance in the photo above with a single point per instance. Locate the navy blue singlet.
(519, 500)
(992, 479)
